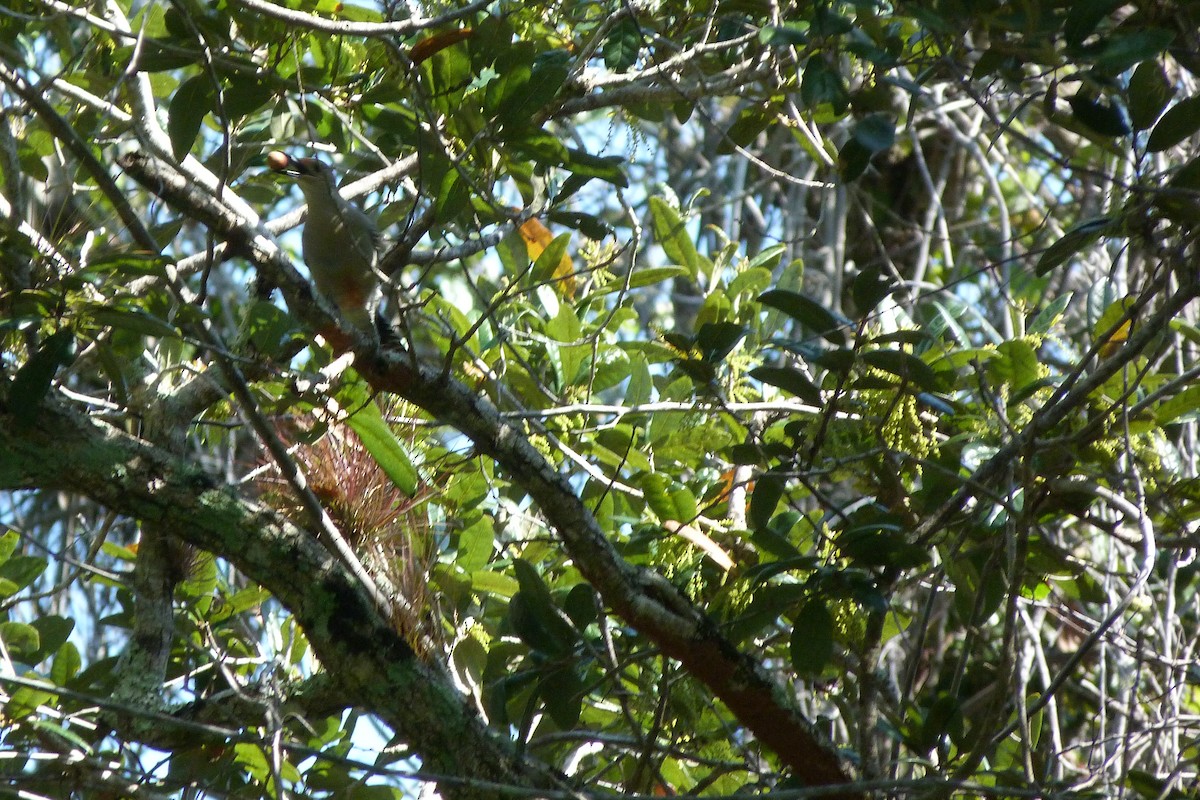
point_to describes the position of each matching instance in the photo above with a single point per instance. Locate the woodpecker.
(340, 241)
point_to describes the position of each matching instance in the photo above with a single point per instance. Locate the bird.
(340, 243)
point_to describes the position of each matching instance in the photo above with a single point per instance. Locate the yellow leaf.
(1111, 316)
(1114, 342)
(439, 41)
(537, 238)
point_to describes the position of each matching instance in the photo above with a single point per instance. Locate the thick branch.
(369, 29)
(375, 667)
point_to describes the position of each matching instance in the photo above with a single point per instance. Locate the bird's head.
(306, 171)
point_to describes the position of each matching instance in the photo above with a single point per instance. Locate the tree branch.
(369, 660)
(641, 597)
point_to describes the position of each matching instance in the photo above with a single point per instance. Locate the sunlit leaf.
(549, 254)
(19, 639)
(673, 236)
(377, 436)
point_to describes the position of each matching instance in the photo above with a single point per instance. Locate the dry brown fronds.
(388, 530)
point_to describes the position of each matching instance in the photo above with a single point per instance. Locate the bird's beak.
(292, 167)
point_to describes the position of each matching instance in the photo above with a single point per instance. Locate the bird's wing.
(363, 232)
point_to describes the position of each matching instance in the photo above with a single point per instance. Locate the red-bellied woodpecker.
(340, 241)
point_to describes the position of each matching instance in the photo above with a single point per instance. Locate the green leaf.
(245, 94)
(251, 757)
(535, 616)
(1083, 18)
(641, 384)
(790, 380)
(905, 366)
(775, 538)
(1049, 315)
(475, 543)
(673, 236)
(21, 571)
(880, 543)
(827, 22)
(8, 545)
(649, 277)
(656, 487)
(839, 361)
(1119, 52)
(589, 225)
(822, 84)
(609, 169)
(853, 159)
(1149, 93)
(1180, 202)
(129, 265)
(1152, 787)
(1181, 121)
(811, 645)
(269, 328)
(494, 583)
(1074, 240)
(24, 700)
(21, 640)
(562, 691)
(1016, 364)
(868, 288)
(1187, 177)
(684, 502)
(944, 718)
(808, 312)
(751, 281)
(768, 490)
(244, 600)
(66, 664)
(539, 145)
(1104, 119)
(623, 44)
(132, 319)
(526, 96)
(377, 436)
(788, 35)
(1183, 407)
(875, 132)
(716, 340)
(31, 384)
(53, 631)
(192, 101)
(750, 123)
(767, 259)
(546, 266)
(452, 198)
